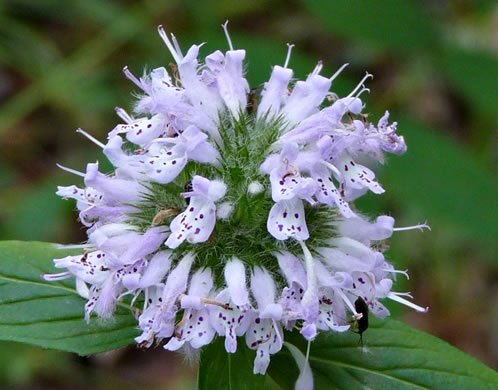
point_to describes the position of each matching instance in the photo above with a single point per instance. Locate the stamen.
(170, 46)
(130, 76)
(209, 301)
(337, 174)
(123, 115)
(346, 300)
(404, 294)
(134, 299)
(180, 324)
(420, 227)
(360, 84)
(362, 90)
(334, 76)
(177, 46)
(308, 348)
(188, 194)
(395, 271)
(310, 268)
(171, 140)
(146, 298)
(225, 28)
(289, 50)
(396, 297)
(75, 246)
(318, 68)
(91, 138)
(55, 277)
(121, 296)
(73, 171)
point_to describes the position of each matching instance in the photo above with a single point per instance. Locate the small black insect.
(188, 188)
(361, 324)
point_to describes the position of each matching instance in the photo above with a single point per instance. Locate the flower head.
(230, 223)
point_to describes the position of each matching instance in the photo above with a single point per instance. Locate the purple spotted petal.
(327, 192)
(195, 224)
(357, 178)
(286, 219)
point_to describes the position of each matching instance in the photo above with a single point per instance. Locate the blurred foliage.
(436, 68)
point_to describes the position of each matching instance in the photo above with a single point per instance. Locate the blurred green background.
(435, 66)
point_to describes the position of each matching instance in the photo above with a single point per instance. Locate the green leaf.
(475, 75)
(50, 314)
(398, 25)
(225, 371)
(444, 180)
(396, 356)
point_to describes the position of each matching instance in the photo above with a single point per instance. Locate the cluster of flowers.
(314, 161)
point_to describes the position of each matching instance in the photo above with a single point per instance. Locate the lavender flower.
(240, 224)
